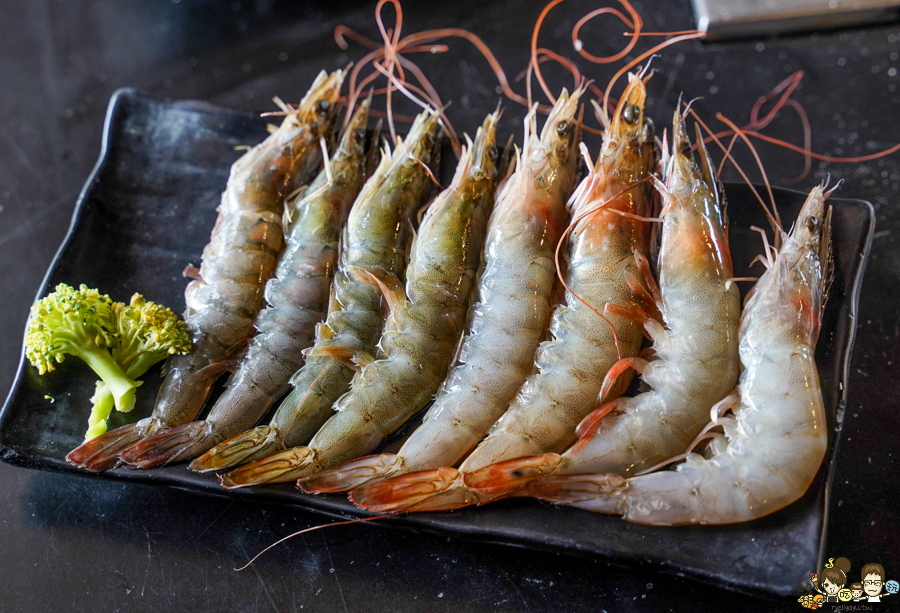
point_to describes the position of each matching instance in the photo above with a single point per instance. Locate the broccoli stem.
(103, 398)
(103, 405)
(121, 386)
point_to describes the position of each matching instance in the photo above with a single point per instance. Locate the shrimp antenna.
(759, 163)
(783, 91)
(534, 56)
(821, 157)
(634, 22)
(774, 223)
(642, 57)
(312, 529)
(392, 51)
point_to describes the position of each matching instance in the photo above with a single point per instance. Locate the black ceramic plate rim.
(854, 292)
(338, 507)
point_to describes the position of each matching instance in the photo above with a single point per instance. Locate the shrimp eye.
(324, 105)
(649, 127)
(360, 135)
(492, 152)
(563, 128)
(812, 223)
(428, 142)
(631, 113)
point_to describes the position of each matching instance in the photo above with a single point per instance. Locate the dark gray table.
(70, 543)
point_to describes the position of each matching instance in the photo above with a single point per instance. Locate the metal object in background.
(723, 19)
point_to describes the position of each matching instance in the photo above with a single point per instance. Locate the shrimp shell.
(297, 298)
(425, 323)
(376, 238)
(239, 258)
(569, 368)
(776, 440)
(510, 318)
(695, 336)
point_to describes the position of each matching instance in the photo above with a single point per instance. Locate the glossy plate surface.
(147, 211)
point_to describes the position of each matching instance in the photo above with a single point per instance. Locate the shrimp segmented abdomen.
(570, 367)
(374, 239)
(425, 323)
(695, 344)
(507, 323)
(241, 256)
(776, 439)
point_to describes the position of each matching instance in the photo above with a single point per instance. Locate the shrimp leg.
(776, 440)
(424, 326)
(510, 318)
(297, 296)
(375, 239)
(238, 260)
(571, 367)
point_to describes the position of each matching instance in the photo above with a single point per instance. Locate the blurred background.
(72, 543)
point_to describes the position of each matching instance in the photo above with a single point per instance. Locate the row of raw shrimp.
(224, 300)
(547, 415)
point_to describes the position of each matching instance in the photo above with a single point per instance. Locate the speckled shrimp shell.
(775, 439)
(376, 238)
(570, 367)
(239, 259)
(423, 328)
(511, 316)
(298, 300)
(692, 317)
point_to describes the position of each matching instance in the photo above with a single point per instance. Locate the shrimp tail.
(102, 452)
(440, 489)
(504, 478)
(352, 474)
(280, 467)
(173, 445)
(251, 445)
(598, 492)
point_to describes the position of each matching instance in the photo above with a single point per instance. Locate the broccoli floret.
(119, 342)
(77, 322)
(144, 333)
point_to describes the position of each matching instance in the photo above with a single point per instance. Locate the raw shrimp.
(422, 330)
(692, 317)
(297, 298)
(511, 316)
(238, 260)
(376, 238)
(571, 367)
(776, 440)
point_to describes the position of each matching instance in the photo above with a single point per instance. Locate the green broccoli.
(119, 342)
(145, 333)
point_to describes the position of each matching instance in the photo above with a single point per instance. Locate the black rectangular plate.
(147, 211)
